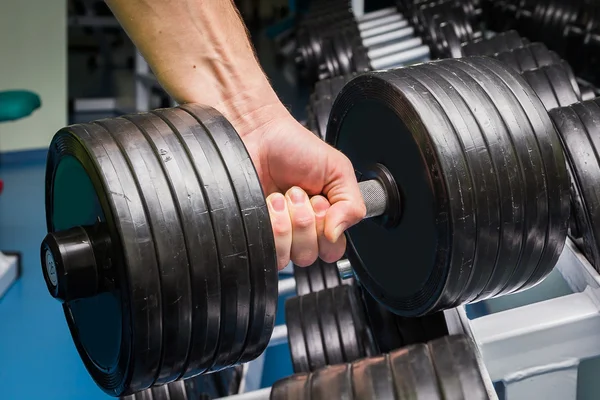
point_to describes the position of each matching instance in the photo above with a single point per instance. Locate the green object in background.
(17, 104)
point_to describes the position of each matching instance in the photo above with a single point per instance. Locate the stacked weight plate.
(201, 387)
(579, 128)
(503, 210)
(446, 368)
(164, 256)
(569, 27)
(550, 77)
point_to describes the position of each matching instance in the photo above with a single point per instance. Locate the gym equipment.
(204, 387)
(445, 368)
(318, 276)
(106, 252)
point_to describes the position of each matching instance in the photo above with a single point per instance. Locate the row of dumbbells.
(571, 28)
(550, 76)
(334, 43)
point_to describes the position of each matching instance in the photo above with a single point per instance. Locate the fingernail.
(278, 203)
(297, 196)
(320, 208)
(338, 231)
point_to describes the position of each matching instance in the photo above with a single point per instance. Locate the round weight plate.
(413, 372)
(109, 327)
(322, 109)
(229, 233)
(525, 145)
(561, 85)
(525, 58)
(372, 378)
(538, 81)
(257, 226)
(432, 222)
(577, 126)
(457, 368)
(557, 180)
(330, 331)
(169, 244)
(295, 334)
(331, 382)
(199, 238)
(482, 175)
(466, 213)
(383, 324)
(295, 387)
(505, 165)
(318, 276)
(352, 325)
(541, 54)
(311, 329)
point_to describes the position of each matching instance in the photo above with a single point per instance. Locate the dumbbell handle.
(380, 21)
(375, 197)
(378, 30)
(394, 48)
(377, 14)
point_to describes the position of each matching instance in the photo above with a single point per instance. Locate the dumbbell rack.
(530, 352)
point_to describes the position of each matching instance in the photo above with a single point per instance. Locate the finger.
(305, 248)
(347, 205)
(282, 227)
(328, 252)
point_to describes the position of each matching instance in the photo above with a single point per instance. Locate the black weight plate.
(330, 331)
(577, 127)
(561, 85)
(372, 378)
(318, 276)
(482, 174)
(257, 225)
(313, 336)
(457, 369)
(229, 235)
(386, 335)
(366, 343)
(295, 387)
(556, 176)
(509, 58)
(434, 326)
(322, 109)
(525, 58)
(572, 80)
(413, 372)
(168, 240)
(295, 334)
(332, 382)
(352, 332)
(108, 328)
(532, 173)
(542, 55)
(199, 238)
(505, 164)
(538, 81)
(465, 210)
(323, 89)
(424, 235)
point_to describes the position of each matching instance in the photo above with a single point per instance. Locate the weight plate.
(330, 330)
(414, 375)
(538, 81)
(108, 328)
(542, 55)
(168, 241)
(386, 335)
(525, 148)
(257, 225)
(372, 378)
(434, 326)
(432, 221)
(311, 329)
(199, 238)
(229, 233)
(561, 85)
(457, 368)
(295, 387)
(576, 126)
(505, 165)
(318, 276)
(295, 334)
(322, 109)
(525, 58)
(557, 180)
(332, 382)
(465, 211)
(482, 175)
(351, 322)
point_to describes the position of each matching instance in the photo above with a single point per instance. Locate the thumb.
(347, 205)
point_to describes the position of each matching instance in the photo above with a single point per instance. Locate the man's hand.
(312, 191)
(200, 53)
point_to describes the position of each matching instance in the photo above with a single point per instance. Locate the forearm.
(200, 52)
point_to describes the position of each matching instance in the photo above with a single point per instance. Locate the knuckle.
(303, 221)
(281, 226)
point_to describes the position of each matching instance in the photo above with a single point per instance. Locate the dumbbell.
(310, 39)
(446, 368)
(551, 78)
(343, 54)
